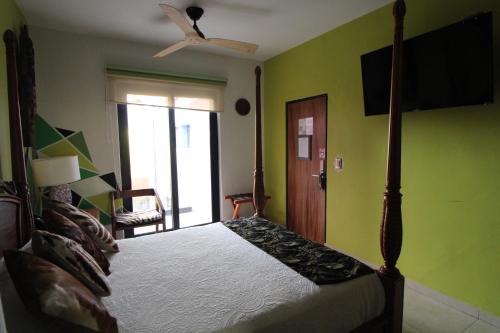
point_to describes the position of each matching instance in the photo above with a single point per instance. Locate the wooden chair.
(239, 199)
(127, 220)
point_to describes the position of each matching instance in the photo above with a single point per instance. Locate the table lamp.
(57, 173)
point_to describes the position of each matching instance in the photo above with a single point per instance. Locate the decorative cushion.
(70, 256)
(47, 289)
(137, 218)
(92, 227)
(60, 225)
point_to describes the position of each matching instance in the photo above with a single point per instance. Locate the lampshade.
(56, 171)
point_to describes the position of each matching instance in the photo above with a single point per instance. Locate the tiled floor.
(424, 315)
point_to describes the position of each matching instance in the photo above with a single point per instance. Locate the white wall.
(70, 78)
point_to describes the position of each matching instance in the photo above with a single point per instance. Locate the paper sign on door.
(309, 126)
(302, 126)
(306, 126)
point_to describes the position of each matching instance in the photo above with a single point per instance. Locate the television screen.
(452, 66)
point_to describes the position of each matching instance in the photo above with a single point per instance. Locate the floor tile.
(424, 315)
(489, 318)
(409, 329)
(482, 327)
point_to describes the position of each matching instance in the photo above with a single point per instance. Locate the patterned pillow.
(70, 256)
(47, 289)
(92, 227)
(60, 225)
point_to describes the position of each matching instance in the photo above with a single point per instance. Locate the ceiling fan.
(193, 34)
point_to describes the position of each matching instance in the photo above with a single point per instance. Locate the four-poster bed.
(314, 307)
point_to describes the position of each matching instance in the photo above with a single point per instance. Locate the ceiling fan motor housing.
(194, 13)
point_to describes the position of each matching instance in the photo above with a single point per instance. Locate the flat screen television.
(452, 66)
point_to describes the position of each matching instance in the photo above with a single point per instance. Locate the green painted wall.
(451, 157)
(10, 18)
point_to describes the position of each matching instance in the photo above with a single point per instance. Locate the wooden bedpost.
(16, 137)
(259, 200)
(392, 228)
(27, 90)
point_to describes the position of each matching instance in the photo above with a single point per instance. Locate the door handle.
(315, 175)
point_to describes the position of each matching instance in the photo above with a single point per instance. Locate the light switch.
(339, 163)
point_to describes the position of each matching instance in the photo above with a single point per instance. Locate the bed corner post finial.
(391, 228)
(259, 200)
(9, 37)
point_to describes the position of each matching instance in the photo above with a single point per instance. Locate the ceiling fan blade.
(233, 44)
(172, 48)
(179, 19)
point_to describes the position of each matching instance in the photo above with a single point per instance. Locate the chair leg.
(113, 230)
(164, 225)
(236, 212)
(156, 227)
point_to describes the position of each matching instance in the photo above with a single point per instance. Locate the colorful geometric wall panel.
(64, 147)
(78, 141)
(45, 134)
(91, 186)
(110, 178)
(64, 132)
(92, 191)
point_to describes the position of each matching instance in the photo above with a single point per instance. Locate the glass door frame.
(126, 174)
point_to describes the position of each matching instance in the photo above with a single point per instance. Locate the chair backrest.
(147, 192)
(134, 193)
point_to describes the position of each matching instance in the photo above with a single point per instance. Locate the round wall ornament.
(242, 106)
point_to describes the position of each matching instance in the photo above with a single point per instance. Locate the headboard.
(10, 222)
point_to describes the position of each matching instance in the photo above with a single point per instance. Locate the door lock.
(321, 179)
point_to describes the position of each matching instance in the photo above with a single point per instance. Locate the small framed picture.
(304, 147)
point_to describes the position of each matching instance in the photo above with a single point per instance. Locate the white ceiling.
(276, 25)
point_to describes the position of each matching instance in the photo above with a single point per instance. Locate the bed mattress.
(209, 279)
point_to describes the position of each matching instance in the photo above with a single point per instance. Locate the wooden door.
(306, 159)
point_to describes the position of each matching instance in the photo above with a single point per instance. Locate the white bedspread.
(207, 279)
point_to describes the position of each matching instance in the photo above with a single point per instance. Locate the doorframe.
(214, 165)
(122, 114)
(124, 153)
(325, 95)
(174, 190)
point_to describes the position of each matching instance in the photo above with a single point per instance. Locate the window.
(182, 136)
(172, 143)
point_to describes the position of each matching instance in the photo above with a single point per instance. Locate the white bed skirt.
(209, 279)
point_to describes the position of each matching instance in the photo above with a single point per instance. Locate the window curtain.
(166, 90)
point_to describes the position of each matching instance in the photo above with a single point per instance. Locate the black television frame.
(409, 102)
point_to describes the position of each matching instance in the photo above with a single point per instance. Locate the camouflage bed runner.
(314, 261)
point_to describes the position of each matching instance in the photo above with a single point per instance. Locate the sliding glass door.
(175, 151)
(193, 167)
